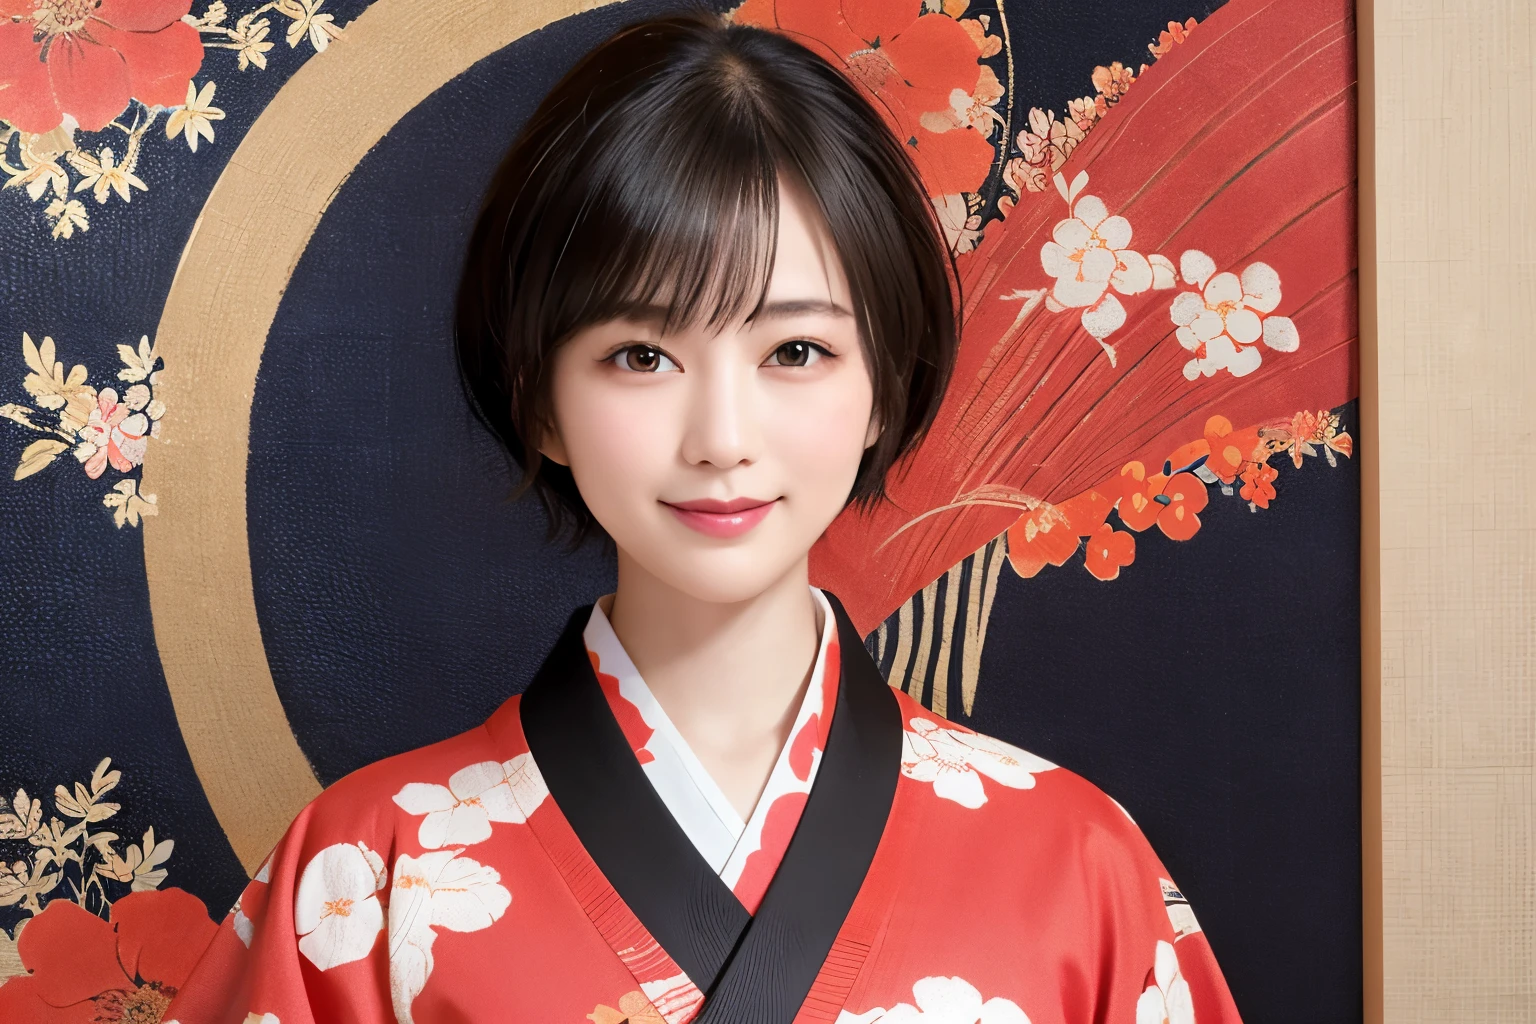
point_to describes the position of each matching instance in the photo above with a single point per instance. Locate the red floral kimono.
(570, 861)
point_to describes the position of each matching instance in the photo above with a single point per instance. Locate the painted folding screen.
(254, 539)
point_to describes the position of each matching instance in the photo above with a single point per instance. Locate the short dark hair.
(653, 165)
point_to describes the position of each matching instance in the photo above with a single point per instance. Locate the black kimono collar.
(752, 970)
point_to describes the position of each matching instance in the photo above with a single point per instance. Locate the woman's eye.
(796, 353)
(642, 359)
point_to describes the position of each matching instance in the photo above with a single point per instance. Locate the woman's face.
(716, 461)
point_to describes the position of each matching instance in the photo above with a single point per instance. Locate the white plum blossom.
(954, 762)
(943, 1001)
(436, 890)
(1222, 324)
(244, 927)
(1167, 999)
(461, 812)
(1089, 254)
(336, 908)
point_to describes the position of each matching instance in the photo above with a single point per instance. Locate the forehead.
(806, 263)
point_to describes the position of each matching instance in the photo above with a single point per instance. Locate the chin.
(721, 580)
(720, 574)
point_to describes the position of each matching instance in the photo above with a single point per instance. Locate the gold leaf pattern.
(57, 850)
(38, 455)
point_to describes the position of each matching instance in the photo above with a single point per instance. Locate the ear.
(873, 433)
(553, 446)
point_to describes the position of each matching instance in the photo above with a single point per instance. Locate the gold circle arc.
(232, 273)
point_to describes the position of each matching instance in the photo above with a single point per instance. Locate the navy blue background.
(1212, 689)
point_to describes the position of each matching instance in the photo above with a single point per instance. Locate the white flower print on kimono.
(1089, 252)
(436, 890)
(460, 813)
(954, 762)
(1167, 999)
(245, 928)
(336, 909)
(943, 1001)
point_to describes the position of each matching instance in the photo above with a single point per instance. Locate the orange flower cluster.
(1173, 499)
(1309, 429)
(1171, 37)
(1112, 82)
(1048, 140)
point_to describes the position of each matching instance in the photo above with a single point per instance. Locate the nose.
(722, 428)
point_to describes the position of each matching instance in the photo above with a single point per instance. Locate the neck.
(730, 676)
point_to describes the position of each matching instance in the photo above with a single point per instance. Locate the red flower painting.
(83, 969)
(1259, 483)
(1186, 496)
(1231, 451)
(1109, 550)
(913, 64)
(1050, 533)
(1138, 493)
(87, 58)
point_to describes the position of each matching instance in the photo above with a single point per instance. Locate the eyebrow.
(653, 313)
(800, 307)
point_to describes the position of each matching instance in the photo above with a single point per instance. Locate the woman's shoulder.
(440, 758)
(372, 799)
(975, 771)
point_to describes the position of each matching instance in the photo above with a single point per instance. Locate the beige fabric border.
(244, 246)
(1455, 144)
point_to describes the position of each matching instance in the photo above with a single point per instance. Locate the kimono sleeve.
(306, 941)
(1158, 960)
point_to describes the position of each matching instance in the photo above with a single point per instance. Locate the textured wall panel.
(1455, 140)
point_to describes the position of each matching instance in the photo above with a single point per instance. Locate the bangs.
(676, 223)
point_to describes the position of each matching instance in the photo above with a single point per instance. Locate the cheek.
(822, 430)
(618, 441)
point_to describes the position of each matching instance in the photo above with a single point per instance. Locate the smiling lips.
(724, 519)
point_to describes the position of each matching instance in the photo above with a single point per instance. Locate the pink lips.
(723, 519)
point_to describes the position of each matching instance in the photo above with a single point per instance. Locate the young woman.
(706, 305)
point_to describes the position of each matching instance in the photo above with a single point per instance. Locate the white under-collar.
(696, 801)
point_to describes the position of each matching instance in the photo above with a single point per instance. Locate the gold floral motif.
(68, 857)
(104, 429)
